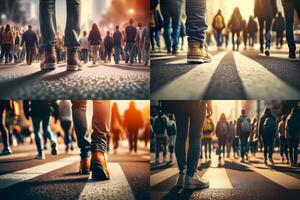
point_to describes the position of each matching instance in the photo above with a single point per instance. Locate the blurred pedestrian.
(252, 31)
(117, 42)
(155, 24)
(115, 126)
(171, 131)
(84, 47)
(130, 36)
(95, 42)
(5, 106)
(65, 117)
(245, 33)
(235, 24)
(208, 129)
(230, 138)
(138, 42)
(59, 47)
(160, 126)
(6, 44)
(253, 138)
(146, 44)
(108, 45)
(218, 26)
(31, 43)
(279, 28)
(283, 141)
(222, 130)
(243, 130)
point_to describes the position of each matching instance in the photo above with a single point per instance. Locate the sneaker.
(6, 151)
(292, 55)
(271, 161)
(180, 180)
(40, 156)
(197, 53)
(267, 52)
(73, 63)
(85, 164)
(53, 149)
(98, 166)
(195, 182)
(261, 49)
(49, 61)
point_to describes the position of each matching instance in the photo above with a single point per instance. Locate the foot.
(267, 52)
(45, 147)
(6, 151)
(243, 160)
(53, 149)
(49, 61)
(266, 162)
(292, 55)
(197, 53)
(156, 161)
(85, 165)
(261, 49)
(195, 182)
(40, 156)
(73, 62)
(271, 161)
(180, 180)
(99, 167)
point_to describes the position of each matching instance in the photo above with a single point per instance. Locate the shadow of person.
(177, 193)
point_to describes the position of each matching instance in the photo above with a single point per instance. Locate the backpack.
(269, 127)
(160, 125)
(245, 125)
(207, 126)
(218, 23)
(223, 129)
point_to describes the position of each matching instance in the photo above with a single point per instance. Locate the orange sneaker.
(85, 165)
(99, 167)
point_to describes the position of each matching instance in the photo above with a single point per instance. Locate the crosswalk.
(257, 81)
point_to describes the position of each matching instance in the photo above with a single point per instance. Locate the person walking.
(289, 7)
(93, 154)
(218, 25)
(146, 44)
(6, 44)
(292, 134)
(95, 42)
(17, 47)
(138, 42)
(279, 28)
(5, 106)
(115, 125)
(265, 11)
(155, 24)
(160, 126)
(245, 33)
(40, 112)
(243, 130)
(189, 120)
(207, 133)
(48, 30)
(222, 130)
(31, 43)
(133, 121)
(130, 37)
(117, 43)
(252, 31)
(267, 131)
(253, 138)
(84, 47)
(65, 117)
(236, 142)
(230, 138)
(171, 132)
(235, 25)
(108, 45)
(283, 141)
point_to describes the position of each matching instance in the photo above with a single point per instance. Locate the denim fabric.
(189, 124)
(265, 25)
(268, 147)
(195, 23)
(36, 121)
(207, 146)
(3, 128)
(244, 146)
(293, 149)
(129, 52)
(160, 142)
(66, 126)
(117, 54)
(219, 39)
(48, 23)
(171, 11)
(100, 126)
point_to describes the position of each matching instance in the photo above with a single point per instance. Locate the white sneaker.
(40, 156)
(195, 182)
(180, 180)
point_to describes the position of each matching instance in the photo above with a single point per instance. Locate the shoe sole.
(49, 66)
(99, 174)
(195, 187)
(198, 60)
(73, 68)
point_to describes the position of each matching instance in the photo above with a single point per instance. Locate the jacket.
(265, 9)
(292, 125)
(40, 108)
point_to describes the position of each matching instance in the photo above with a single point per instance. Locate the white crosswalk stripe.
(12, 178)
(116, 188)
(163, 175)
(162, 58)
(192, 84)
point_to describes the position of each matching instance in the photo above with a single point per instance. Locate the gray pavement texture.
(103, 81)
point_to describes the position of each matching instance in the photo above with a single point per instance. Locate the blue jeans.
(129, 52)
(36, 121)
(195, 23)
(189, 124)
(171, 11)
(100, 126)
(85, 55)
(48, 23)
(289, 6)
(117, 54)
(219, 39)
(154, 37)
(244, 146)
(265, 24)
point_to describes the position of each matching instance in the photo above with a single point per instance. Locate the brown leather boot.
(49, 60)
(73, 63)
(99, 167)
(85, 165)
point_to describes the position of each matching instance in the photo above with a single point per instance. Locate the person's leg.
(261, 23)
(176, 13)
(48, 133)
(242, 148)
(271, 149)
(157, 148)
(47, 22)
(3, 129)
(288, 7)
(164, 145)
(130, 140)
(132, 53)
(182, 122)
(296, 151)
(80, 126)
(165, 11)
(36, 121)
(209, 147)
(72, 30)
(135, 141)
(66, 125)
(268, 33)
(152, 35)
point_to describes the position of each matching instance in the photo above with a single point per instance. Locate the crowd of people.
(167, 19)
(107, 124)
(130, 45)
(239, 138)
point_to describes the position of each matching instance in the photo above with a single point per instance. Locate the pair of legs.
(206, 142)
(66, 126)
(218, 36)
(268, 148)
(108, 54)
(117, 54)
(244, 147)
(29, 54)
(3, 130)
(284, 147)
(129, 52)
(253, 147)
(154, 38)
(252, 39)
(95, 53)
(5, 52)
(279, 39)
(228, 147)
(265, 33)
(293, 150)
(133, 139)
(160, 142)
(221, 146)
(85, 55)
(236, 41)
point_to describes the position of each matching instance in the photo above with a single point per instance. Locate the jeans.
(171, 11)
(66, 126)
(279, 39)
(100, 126)
(218, 36)
(207, 146)
(195, 23)
(283, 147)
(289, 7)
(29, 54)
(154, 37)
(293, 149)
(265, 24)
(221, 146)
(147, 53)
(48, 23)
(108, 54)
(85, 55)
(268, 147)
(3, 128)
(236, 41)
(117, 54)
(36, 121)
(189, 125)
(171, 143)
(6, 52)
(244, 147)
(253, 147)
(133, 138)
(160, 141)
(251, 39)
(129, 52)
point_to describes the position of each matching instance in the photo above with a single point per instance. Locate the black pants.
(66, 126)
(207, 146)
(283, 146)
(29, 54)
(133, 137)
(3, 128)
(268, 147)
(293, 149)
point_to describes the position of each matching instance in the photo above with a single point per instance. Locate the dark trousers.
(265, 32)
(252, 39)
(5, 52)
(283, 146)
(236, 41)
(29, 54)
(3, 128)
(133, 138)
(268, 147)
(293, 149)
(66, 126)
(207, 146)
(154, 37)
(160, 142)
(279, 38)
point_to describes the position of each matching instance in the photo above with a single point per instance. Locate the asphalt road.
(231, 75)
(56, 177)
(103, 81)
(230, 180)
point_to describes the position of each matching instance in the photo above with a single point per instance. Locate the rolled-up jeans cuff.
(99, 147)
(85, 152)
